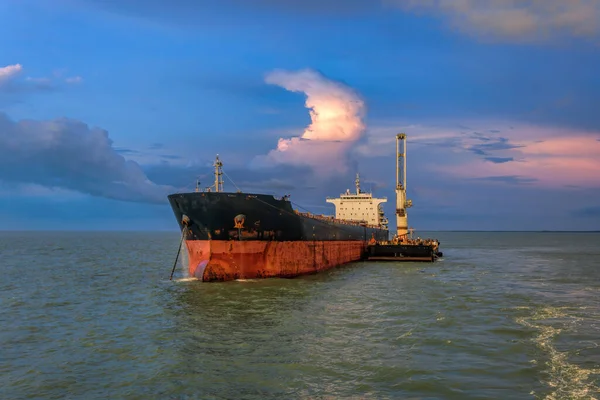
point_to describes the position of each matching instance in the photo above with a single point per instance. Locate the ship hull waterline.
(231, 236)
(219, 260)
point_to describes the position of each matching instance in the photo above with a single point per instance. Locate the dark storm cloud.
(499, 160)
(68, 154)
(489, 145)
(480, 136)
(478, 143)
(493, 144)
(477, 151)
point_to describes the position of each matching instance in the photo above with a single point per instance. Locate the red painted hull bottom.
(225, 260)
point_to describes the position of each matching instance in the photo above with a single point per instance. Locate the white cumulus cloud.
(9, 72)
(336, 113)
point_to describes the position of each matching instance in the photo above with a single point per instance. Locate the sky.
(108, 106)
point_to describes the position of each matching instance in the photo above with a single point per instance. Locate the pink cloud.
(542, 156)
(555, 161)
(582, 146)
(336, 113)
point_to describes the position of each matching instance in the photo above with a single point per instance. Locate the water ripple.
(94, 315)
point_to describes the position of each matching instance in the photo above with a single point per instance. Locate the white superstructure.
(360, 207)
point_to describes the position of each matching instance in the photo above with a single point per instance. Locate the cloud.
(74, 80)
(40, 83)
(171, 157)
(126, 151)
(547, 156)
(67, 154)
(491, 144)
(491, 20)
(10, 82)
(510, 20)
(499, 160)
(573, 158)
(184, 175)
(336, 113)
(270, 184)
(511, 179)
(13, 189)
(9, 72)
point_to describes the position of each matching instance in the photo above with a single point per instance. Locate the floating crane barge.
(403, 247)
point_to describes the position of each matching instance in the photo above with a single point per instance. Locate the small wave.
(246, 280)
(185, 279)
(565, 379)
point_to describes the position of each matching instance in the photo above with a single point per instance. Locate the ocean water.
(501, 316)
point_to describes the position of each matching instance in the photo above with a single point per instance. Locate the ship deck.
(402, 252)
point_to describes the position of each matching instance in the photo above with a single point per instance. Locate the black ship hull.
(244, 236)
(401, 252)
(212, 216)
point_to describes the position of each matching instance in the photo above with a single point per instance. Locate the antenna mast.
(218, 175)
(402, 203)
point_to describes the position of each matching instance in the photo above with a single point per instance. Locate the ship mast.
(218, 175)
(402, 203)
(357, 182)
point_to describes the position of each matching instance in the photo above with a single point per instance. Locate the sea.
(503, 315)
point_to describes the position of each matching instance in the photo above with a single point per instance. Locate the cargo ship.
(239, 235)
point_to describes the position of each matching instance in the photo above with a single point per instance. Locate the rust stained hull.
(225, 260)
